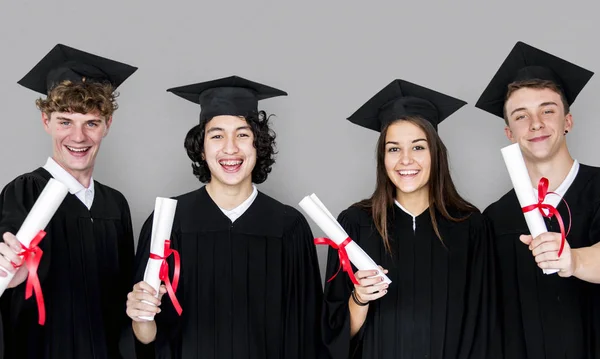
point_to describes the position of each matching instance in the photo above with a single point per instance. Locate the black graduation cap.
(232, 95)
(402, 98)
(525, 62)
(66, 63)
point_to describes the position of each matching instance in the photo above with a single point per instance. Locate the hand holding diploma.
(545, 248)
(27, 252)
(338, 238)
(144, 301)
(370, 286)
(9, 258)
(157, 269)
(533, 209)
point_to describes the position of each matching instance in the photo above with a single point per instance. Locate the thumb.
(525, 238)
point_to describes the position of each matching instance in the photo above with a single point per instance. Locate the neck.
(228, 197)
(416, 203)
(555, 169)
(83, 177)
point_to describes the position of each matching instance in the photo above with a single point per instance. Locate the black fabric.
(547, 316)
(441, 302)
(249, 289)
(85, 274)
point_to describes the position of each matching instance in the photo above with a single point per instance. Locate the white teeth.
(408, 173)
(78, 149)
(230, 163)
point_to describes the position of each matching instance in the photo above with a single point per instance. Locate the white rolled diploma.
(515, 164)
(317, 211)
(38, 218)
(162, 223)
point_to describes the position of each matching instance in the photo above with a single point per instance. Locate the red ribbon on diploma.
(342, 254)
(31, 258)
(164, 273)
(540, 205)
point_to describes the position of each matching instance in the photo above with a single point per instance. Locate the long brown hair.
(442, 192)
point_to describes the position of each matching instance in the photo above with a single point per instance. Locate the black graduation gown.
(85, 274)
(440, 303)
(251, 289)
(546, 316)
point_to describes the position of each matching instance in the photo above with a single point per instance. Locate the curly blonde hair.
(81, 97)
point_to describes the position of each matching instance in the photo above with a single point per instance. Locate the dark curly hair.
(264, 142)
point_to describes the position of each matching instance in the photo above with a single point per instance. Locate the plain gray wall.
(330, 56)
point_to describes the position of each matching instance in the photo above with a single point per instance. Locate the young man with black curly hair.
(250, 283)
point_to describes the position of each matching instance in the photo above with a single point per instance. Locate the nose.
(78, 134)
(536, 123)
(406, 158)
(230, 146)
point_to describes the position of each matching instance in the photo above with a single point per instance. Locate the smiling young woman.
(433, 244)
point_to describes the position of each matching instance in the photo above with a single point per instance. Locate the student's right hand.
(143, 291)
(9, 255)
(369, 287)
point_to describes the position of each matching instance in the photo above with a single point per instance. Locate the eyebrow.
(550, 103)
(63, 118)
(517, 110)
(68, 119)
(214, 129)
(396, 143)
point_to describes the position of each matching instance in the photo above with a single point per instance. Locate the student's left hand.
(545, 250)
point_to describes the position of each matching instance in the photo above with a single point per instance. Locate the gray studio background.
(330, 56)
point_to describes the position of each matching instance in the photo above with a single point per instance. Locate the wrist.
(575, 270)
(145, 332)
(358, 300)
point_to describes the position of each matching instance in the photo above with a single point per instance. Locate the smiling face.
(229, 151)
(76, 140)
(537, 121)
(407, 158)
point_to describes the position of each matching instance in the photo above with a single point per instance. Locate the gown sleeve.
(126, 264)
(302, 290)
(167, 321)
(336, 315)
(16, 200)
(481, 332)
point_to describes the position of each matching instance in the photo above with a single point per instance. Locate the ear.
(568, 122)
(46, 122)
(108, 123)
(509, 134)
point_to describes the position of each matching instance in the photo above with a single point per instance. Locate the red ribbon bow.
(31, 258)
(164, 273)
(540, 205)
(342, 254)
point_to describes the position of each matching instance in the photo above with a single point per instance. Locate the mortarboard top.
(401, 99)
(232, 95)
(67, 63)
(525, 62)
